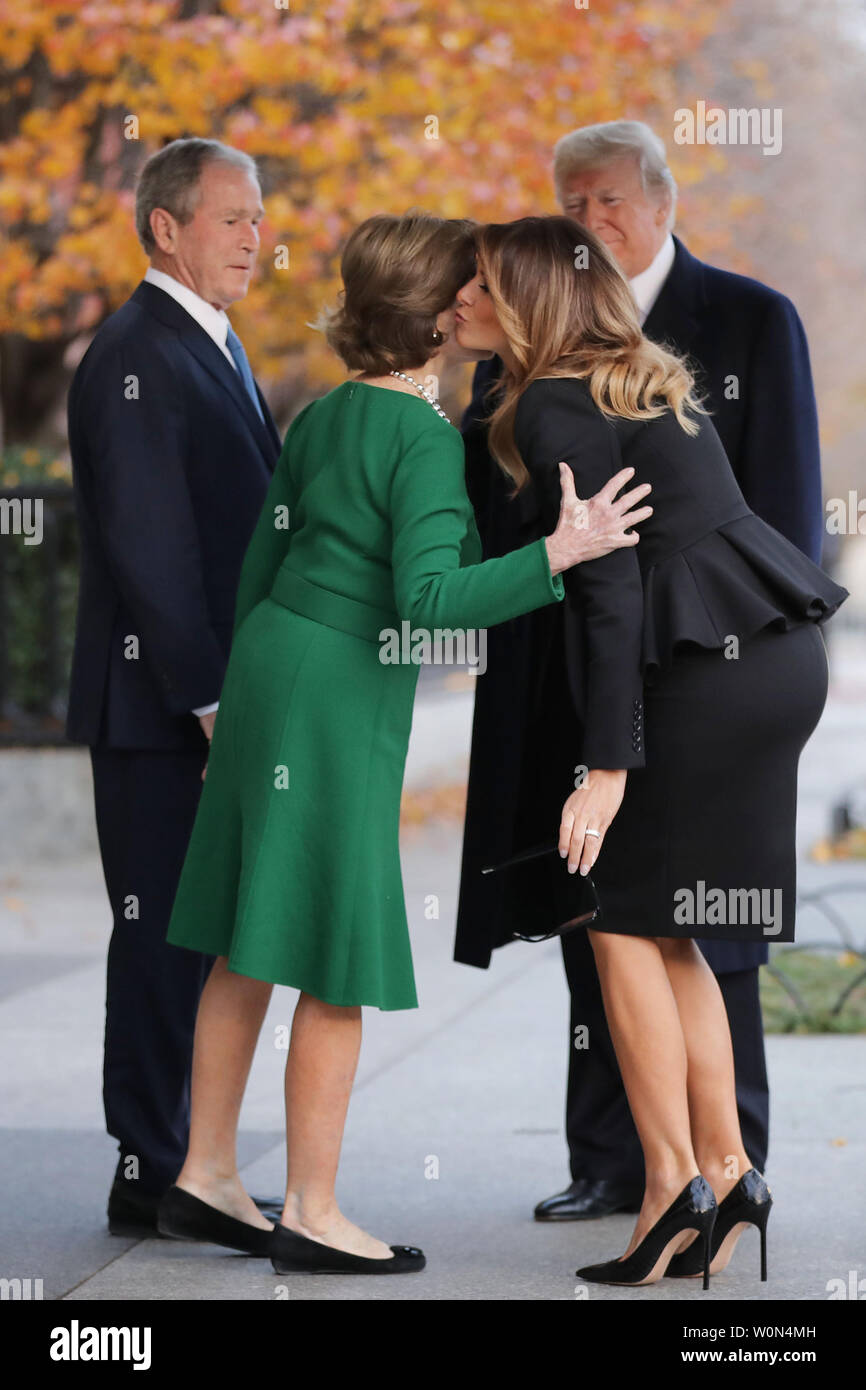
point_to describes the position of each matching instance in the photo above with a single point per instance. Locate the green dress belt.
(334, 610)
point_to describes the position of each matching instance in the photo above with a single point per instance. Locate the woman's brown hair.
(399, 274)
(567, 310)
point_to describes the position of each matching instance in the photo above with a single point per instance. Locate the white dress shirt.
(215, 323)
(646, 287)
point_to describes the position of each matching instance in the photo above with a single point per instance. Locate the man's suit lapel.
(206, 352)
(673, 319)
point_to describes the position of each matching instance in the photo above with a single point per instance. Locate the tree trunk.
(32, 382)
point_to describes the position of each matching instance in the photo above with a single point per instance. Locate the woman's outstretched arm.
(438, 580)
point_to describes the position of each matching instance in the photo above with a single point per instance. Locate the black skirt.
(704, 843)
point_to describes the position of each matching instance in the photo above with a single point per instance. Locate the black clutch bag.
(541, 891)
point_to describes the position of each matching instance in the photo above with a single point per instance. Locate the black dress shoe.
(131, 1212)
(586, 1198)
(292, 1253)
(184, 1217)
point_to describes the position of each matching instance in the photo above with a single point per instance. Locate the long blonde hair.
(567, 310)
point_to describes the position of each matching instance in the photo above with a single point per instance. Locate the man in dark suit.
(748, 349)
(173, 447)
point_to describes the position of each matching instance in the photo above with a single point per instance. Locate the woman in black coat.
(667, 704)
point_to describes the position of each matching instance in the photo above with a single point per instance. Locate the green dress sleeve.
(438, 581)
(269, 543)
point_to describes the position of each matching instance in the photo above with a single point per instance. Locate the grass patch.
(819, 980)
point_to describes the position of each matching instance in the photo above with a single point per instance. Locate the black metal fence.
(818, 985)
(38, 592)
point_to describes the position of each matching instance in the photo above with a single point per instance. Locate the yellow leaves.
(15, 47)
(37, 295)
(332, 96)
(455, 39)
(79, 217)
(58, 164)
(272, 112)
(16, 268)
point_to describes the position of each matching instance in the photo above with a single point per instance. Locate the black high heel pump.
(747, 1204)
(693, 1210)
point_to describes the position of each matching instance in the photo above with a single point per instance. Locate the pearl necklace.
(422, 390)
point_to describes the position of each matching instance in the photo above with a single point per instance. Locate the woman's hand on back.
(587, 530)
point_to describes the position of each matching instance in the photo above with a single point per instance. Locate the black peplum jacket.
(706, 570)
(706, 567)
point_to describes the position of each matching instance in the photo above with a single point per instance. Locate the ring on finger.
(595, 833)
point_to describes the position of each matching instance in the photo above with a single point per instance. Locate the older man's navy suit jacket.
(171, 464)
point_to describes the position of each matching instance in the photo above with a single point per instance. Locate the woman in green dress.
(293, 872)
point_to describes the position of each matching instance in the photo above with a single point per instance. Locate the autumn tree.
(350, 108)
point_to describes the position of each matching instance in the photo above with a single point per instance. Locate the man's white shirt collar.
(646, 287)
(215, 322)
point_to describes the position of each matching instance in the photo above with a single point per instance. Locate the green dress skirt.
(293, 867)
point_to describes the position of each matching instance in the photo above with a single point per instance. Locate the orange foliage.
(335, 100)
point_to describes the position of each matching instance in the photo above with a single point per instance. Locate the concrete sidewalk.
(454, 1133)
(455, 1128)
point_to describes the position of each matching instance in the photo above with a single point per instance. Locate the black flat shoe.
(693, 1210)
(588, 1198)
(184, 1217)
(292, 1253)
(747, 1204)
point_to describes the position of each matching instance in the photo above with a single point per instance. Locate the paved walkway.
(455, 1126)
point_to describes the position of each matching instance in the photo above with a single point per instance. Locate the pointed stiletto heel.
(747, 1204)
(693, 1210)
(763, 1230)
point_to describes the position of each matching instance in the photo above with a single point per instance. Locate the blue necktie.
(239, 357)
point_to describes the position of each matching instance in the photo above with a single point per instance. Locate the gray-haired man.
(173, 448)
